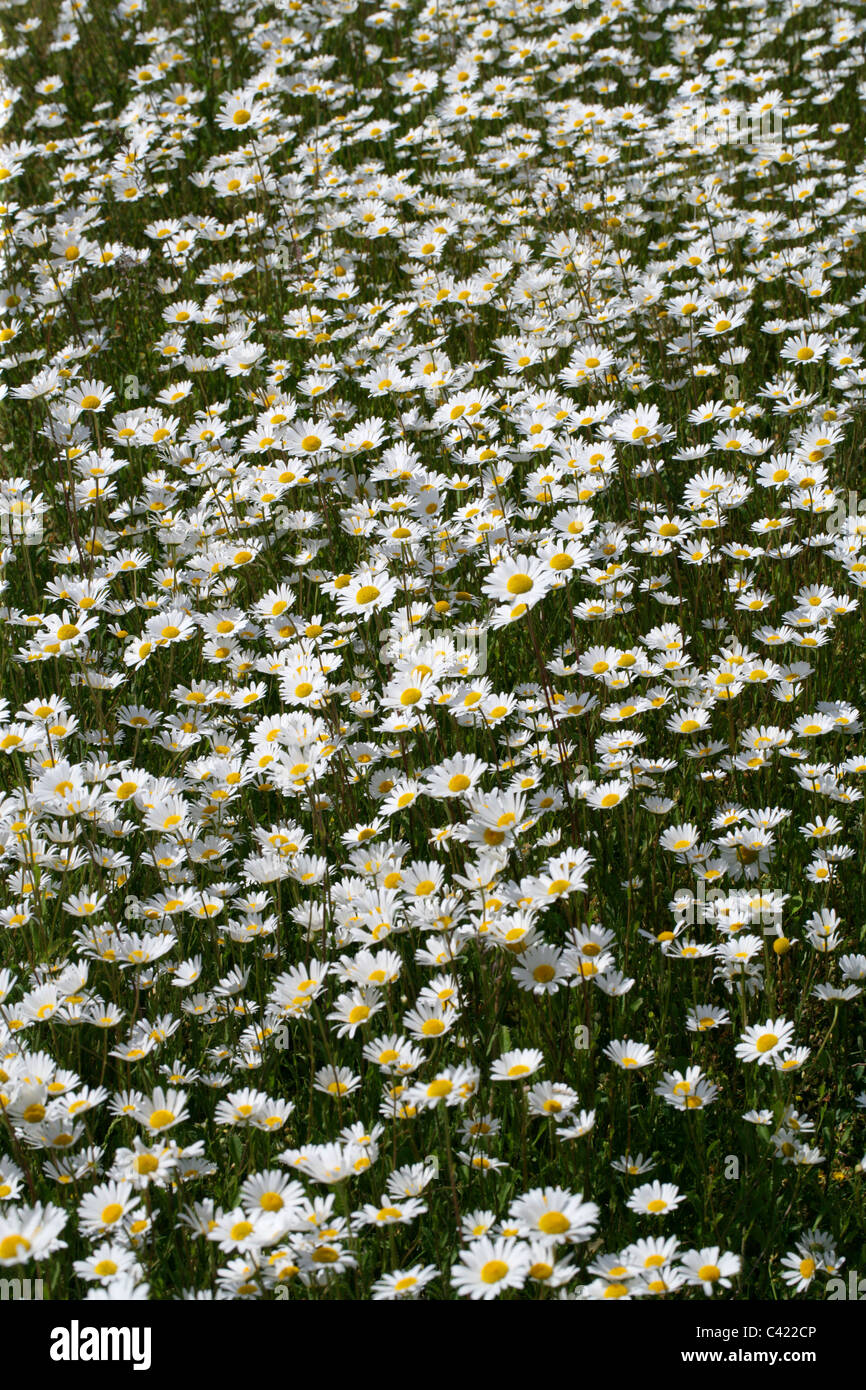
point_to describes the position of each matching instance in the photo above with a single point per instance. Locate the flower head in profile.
(655, 1198)
(403, 1284)
(517, 1064)
(629, 1055)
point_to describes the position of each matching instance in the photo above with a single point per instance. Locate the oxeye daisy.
(455, 777)
(655, 1199)
(790, 1059)
(799, 1268)
(578, 1126)
(489, 1267)
(90, 396)
(389, 1212)
(428, 1021)
(403, 1284)
(629, 1055)
(336, 1081)
(760, 1042)
(703, 1018)
(239, 1230)
(354, 1010)
(516, 1065)
(30, 1233)
(107, 1208)
(687, 1090)
(710, 1267)
(162, 1110)
(552, 1100)
(410, 692)
(518, 581)
(369, 592)
(539, 970)
(555, 1214)
(646, 1255)
(611, 1290)
(807, 347)
(239, 112)
(107, 1262)
(633, 1164)
(608, 794)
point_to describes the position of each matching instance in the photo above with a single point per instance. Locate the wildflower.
(709, 1267)
(489, 1267)
(655, 1198)
(516, 1065)
(761, 1042)
(629, 1055)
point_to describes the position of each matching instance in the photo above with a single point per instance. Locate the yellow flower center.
(10, 1245)
(160, 1119)
(554, 1223)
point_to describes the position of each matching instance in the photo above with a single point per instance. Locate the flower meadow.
(431, 651)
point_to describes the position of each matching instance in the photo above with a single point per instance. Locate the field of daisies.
(431, 651)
